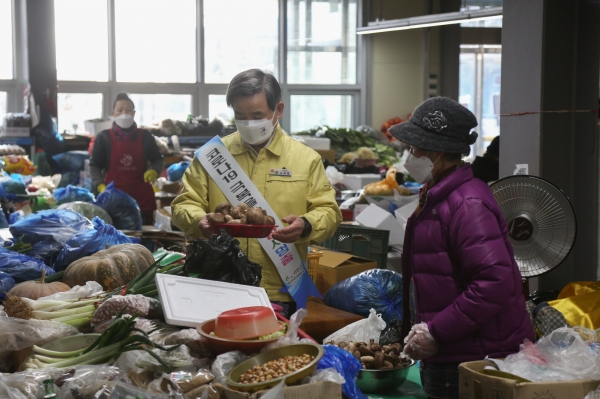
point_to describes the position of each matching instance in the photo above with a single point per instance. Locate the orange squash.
(111, 268)
(38, 289)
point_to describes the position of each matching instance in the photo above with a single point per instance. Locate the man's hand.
(204, 227)
(292, 232)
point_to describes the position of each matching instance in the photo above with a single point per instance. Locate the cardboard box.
(327, 154)
(326, 389)
(377, 218)
(338, 266)
(475, 385)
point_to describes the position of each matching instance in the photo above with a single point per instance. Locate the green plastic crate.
(361, 241)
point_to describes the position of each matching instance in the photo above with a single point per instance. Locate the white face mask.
(419, 168)
(124, 120)
(255, 132)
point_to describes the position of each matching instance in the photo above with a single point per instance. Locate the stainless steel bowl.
(371, 381)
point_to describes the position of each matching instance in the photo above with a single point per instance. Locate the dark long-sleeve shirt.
(100, 161)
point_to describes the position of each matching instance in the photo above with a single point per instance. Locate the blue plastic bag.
(3, 221)
(89, 242)
(121, 207)
(72, 194)
(87, 209)
(22, 267)
(379, 289)
(69, 178)
(71, 161)
(347, 365)
(175, 172)
(6, 282)
(48, 231)
(12, 187)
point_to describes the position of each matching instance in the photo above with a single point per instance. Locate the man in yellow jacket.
(302, 197)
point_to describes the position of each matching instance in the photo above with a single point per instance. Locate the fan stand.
(521, 229)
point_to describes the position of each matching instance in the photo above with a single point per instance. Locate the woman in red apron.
(127, 156)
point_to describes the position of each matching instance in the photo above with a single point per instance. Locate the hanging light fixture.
(431, 20)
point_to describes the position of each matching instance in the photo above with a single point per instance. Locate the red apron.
(127, 169)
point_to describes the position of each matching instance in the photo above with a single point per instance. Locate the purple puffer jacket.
(467, 285)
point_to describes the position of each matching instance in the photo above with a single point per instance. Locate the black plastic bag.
(379, 289)
(392, 334)
(220, 259)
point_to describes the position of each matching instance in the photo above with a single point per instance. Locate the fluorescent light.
(431, 20)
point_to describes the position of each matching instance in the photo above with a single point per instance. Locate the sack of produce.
(69, 178)
(88, 210)
(22, 267)
(72, 193)
(48, 231)
(71, 161)
(220, 259)
(89, 242)
(175, 172)
(379, 289)
(121, 207)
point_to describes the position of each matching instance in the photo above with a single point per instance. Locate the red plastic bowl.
(243, 230)
(244, 323)
(222, 345)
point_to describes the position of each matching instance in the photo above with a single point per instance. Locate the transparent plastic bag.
(360, 331)
(26, 383)
(17, 334)
(128, 304)
(291, 335)
(88, 210)
(84, 381)
(10, 393)
(90, 288)
(334, 175)
(224, 363)
(328, 374)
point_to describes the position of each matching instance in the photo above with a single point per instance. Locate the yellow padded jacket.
(307, 192)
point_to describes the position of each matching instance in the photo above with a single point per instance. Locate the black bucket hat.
(438, 124)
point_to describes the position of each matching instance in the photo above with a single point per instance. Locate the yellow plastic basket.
(313, 264)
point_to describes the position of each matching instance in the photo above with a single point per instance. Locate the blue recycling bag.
(347, 365)
(72, 193)
(379, 289)
(71, 161)
(175, 172)
(89, 242)
(22, 267)
(6, 282)
(121, 207)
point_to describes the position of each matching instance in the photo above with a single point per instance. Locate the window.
(156, 40)
(310, 111)
(151, 109)
(217, 107)
(3, 96)
(81, 40)
(239, 35)
(479, 91)
(321, 41)
(6, 40)
(75, 108)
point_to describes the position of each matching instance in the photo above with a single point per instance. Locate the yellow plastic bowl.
(291, 379)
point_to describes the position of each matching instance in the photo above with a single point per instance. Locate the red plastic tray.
(243, 230)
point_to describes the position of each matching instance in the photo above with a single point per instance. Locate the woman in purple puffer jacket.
(466, 285)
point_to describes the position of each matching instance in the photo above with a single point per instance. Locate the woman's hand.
(420, 343)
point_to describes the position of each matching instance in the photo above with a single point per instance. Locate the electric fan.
(541, 222)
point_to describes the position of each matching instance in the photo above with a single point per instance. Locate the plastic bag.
(40, 182)
(88, 210)
(192, 339)
(10, 187)
(48, 231)
(335, 176)
(291, 335)
(69, 178)
(89, 242)
(563, 355)
(345, 364)
(220, 259)
(90, 288)
(175, 172)
(19, 164)
(6, 282)
(360, 331)
(83, 381)
(17, 334)
(322, 375)
(224, 363)
(392, 334)
(128, 304)
(72, 194)
(593, 394)
(22, 267)
(376, 288)
(276, 392)
(121, 207)
(71, 161)
(27, 383)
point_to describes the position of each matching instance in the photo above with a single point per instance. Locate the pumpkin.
(111, 268)
(38, 289)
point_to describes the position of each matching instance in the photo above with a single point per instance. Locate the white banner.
(237, 188)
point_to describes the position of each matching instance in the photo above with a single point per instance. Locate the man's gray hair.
(251, 82)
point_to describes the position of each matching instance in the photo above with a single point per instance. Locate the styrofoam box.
(95, 126)
(316, 143)
(188, 301)
(358, 182)
(7, 131)
(378, 218)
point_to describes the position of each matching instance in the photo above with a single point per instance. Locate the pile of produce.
(376, 357)
(241, 214)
